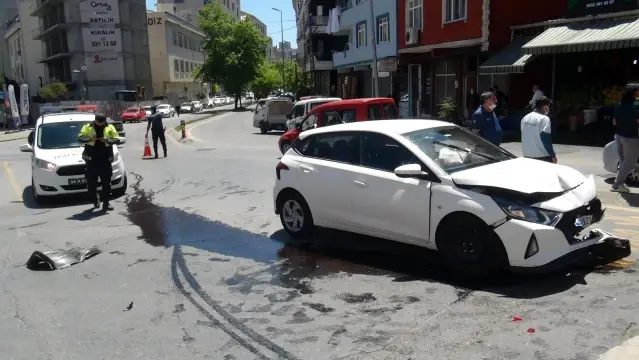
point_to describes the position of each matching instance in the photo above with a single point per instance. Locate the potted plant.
(447, 109)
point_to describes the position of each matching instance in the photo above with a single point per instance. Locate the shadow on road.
(293, 264)
(57, 202)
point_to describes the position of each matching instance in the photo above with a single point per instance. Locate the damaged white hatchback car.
(436, 185)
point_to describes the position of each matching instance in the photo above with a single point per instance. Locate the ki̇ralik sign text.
(100, 12)
(102, 39)
(579, 8)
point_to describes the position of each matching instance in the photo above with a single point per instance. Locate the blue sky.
(262, 10)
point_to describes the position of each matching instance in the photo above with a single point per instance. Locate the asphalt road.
(195, 246)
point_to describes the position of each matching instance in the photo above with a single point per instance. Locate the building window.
(454, 10)
(182, 71)
(414, 14)
(180, 44)
(176, 68)
(445, 76)
(383, 30)
(175, 41)
(361, 34)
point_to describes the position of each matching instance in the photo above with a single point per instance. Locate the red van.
(342, 111)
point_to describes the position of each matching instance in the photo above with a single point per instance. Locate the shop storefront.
(581, 62)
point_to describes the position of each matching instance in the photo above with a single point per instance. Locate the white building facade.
(188, 9)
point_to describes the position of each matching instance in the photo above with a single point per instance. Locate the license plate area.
(79, 181)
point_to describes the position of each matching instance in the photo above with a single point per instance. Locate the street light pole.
(281, 44)
(374, 43)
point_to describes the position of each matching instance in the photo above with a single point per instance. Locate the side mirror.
(26, 148)
(121, 140)
(410, 170)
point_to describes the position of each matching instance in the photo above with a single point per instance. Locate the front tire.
(121, 191)
(295, 215)
(470, 247)
(263, 128)
(285, 146)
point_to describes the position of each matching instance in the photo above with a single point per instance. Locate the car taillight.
(278, 169)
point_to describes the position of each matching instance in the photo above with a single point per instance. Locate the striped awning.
(606, 34)
(509, 60)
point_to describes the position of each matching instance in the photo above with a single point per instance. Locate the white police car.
(57, 166)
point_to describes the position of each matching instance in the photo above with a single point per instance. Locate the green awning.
(509, 60)
(607, 34)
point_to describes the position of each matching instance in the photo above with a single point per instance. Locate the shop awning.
(605, 34)
(509, 60)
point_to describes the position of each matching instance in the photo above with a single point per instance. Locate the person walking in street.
(536, 142)
(157, 128)
(627, 133)
(485, 122)
(99, 138)
(177, 110)
(537, 93)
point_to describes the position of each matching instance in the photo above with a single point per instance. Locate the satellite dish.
(83, 68)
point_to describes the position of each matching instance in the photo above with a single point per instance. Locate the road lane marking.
(12, 180)
(190, 131)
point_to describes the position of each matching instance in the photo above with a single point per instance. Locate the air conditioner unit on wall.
(412, 36)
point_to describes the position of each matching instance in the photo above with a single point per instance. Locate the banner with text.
(100, 13)
(579, 8)
(98, 40)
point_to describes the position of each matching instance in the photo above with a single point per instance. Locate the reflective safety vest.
(89, 131)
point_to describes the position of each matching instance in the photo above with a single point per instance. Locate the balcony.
(317, 24)
(42, 32)
(41, 6)
(319, 62)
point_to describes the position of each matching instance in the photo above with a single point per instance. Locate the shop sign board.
(104, 66)
(578, 8)
(102, 39)
(100, 12)
(387, 65)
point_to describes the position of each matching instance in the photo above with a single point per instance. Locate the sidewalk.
(10, 135)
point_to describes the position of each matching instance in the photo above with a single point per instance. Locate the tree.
(267, 80)
(234, 50)
(295, 79)
(53, 91)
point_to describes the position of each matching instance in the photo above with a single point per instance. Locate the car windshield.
(132, 109)
(455, 149)
(163, 106)
(60, 135)
(186, 104)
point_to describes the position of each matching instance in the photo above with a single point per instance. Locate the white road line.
(190, 131)
(628, 350)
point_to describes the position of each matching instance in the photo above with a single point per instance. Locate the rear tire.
(470, 247)
(263, 128)
(295, 215)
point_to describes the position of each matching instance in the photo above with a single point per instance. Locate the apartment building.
(95, 47)
(175, 48)
(8, 18)
(355, 63)
(315, 45)
(188, 9)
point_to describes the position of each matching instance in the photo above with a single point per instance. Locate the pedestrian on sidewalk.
(536, 142)
(627, 133)
(485, 122)
(157, 128)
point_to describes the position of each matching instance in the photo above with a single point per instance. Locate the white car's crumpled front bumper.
(564, 243)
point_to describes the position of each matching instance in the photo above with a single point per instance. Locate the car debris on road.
(60, 259)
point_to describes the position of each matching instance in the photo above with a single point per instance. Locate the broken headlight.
(529, 213)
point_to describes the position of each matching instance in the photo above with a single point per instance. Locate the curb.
(13, 139)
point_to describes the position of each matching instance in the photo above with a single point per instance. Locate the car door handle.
(306, 168)
(360, 183)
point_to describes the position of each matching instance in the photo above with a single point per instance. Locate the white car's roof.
(402, 126)
(167, 105)
(65, 117)
(314, 100)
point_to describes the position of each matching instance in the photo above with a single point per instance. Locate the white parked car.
(437, 185)
(611, 161)
(57, 167)
(186, 108)
(147, 110)
(302, 108)
(166, 110)
(197, 106)
(218, 101)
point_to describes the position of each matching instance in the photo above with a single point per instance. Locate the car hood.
(522, 175)
(62, 157)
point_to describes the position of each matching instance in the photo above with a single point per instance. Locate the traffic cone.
(147, 149)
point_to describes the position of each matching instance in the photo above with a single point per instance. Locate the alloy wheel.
(293, 215)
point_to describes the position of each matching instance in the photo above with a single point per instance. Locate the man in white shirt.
(537, 93)
(536, 141)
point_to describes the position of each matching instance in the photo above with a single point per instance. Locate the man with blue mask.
(485, 122)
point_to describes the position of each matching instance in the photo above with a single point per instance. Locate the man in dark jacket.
(485, 122)
(157, 128)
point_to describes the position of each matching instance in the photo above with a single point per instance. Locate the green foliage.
(295, 80)
(447, 109)
(234, 50)
(53, 91)
(269, 78)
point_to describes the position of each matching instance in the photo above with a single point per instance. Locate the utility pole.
(374, 43)
(281, 44)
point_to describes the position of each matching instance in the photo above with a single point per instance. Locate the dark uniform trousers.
(102, 170)
(158, 135)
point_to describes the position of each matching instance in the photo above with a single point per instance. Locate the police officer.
(99, 138)
(157, 128)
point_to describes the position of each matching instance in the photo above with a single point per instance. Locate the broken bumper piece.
(604, 248)
(60, 259)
